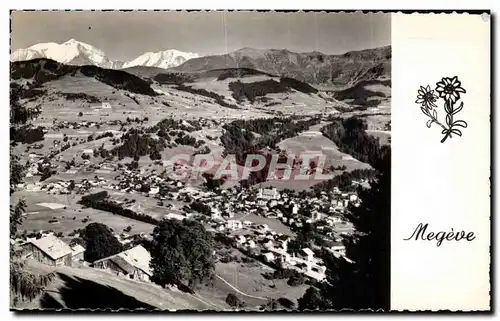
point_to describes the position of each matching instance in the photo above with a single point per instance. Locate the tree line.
(351, 138)
(100, 201)
(238, 138)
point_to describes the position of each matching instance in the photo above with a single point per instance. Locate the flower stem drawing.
(449, 90)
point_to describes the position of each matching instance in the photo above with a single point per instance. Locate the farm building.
(173, 216)
(133, 263)
(77, 252)
(268, 194)
(49, 250)
(269, 257)
(234, 225)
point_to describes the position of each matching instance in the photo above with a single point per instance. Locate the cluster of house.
(57, 124)
(292, 210)
(66, 187)
(35, 161)
(260, 240)
(51, 250)
(135, 181)
(272, 247)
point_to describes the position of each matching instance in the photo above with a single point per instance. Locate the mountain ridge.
(41, 70)
(161, 59)
(313, 67)
(73, 52)
(316, 68)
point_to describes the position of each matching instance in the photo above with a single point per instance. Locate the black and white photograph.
(201, 161)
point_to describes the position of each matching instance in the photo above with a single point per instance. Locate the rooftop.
(137, 257)
(77, 249)
(52, 246)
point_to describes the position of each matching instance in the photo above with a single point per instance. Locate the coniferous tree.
(24, 285)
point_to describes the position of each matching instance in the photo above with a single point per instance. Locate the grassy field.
(249, 279)
(38, 217)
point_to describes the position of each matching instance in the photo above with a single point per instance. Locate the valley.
(101, 142)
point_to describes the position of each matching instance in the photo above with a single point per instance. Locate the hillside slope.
(38, 71)
(84, 287)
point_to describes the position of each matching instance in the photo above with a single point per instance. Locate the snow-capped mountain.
(71, 52)
(162, 59)
(74, 52)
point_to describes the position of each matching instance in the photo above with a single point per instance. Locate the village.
(277, 225)
(258, 221)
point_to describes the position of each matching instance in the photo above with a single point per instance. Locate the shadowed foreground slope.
(88, 288)
(79, 293)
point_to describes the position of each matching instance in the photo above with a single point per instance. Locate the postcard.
(228, 161)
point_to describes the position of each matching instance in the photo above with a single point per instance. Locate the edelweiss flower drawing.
(449, 89)
(426, 97)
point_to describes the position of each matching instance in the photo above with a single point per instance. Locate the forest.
(239, 139)
(351, 138)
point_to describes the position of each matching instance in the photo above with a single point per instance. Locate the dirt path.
(242, 293)
(378, 131)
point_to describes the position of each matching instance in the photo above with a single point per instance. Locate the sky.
(126, 35)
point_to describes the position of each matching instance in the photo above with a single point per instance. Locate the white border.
(445, 185)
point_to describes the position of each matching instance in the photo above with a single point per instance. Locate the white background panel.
(443, 184)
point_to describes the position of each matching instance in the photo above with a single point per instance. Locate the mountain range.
(73, 52)
(313, 67)
(316, 68)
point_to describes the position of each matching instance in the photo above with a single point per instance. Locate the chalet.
(49, 250)
(77, 252)
(281, 254)
(337, 250)
(234, 224)
(154, 190)
(241, 239)
(268, 194)
(251, 244)
(132, 263)
(216, 213)
(269, 257)
(268, 243)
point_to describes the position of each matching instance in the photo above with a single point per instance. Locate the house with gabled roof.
(132, 263)
(49, 250)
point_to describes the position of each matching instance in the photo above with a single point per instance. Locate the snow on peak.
(74, 52)
(162, 59)
(69, 52)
